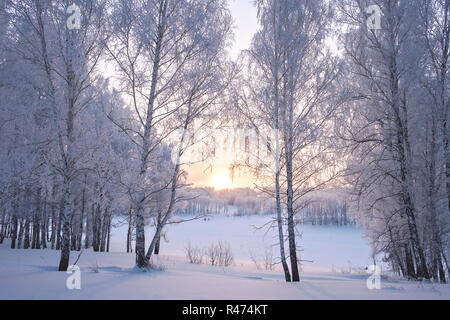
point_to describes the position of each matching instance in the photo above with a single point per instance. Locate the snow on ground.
(32, 274)
(328, 246)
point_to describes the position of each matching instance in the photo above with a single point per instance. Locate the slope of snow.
(32, 274)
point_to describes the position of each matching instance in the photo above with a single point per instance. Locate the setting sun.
(221, 181)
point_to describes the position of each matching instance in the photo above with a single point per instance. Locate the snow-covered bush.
(269, 263)
(194, 254)
(268, 260)
(220, 254)
(255, 261)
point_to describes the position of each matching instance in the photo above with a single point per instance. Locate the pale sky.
(244, 14)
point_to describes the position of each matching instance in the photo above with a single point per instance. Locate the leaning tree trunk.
(160, 227)
(173, 190)
(158, 241)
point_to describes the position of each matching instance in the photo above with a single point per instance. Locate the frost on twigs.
(268, 260)
(217, 254)
(194, 254)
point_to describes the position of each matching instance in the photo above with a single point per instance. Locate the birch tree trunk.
(290, 201)
(83, 208)
(141, 259)
(14, 230)
(158, 241)
(64, 148)
(65, 238)
(68, 161)
(26, 243)
(89, 228)
(54, 227)
(21, 231)
(130, 231)
(96, 229)
(444, 99)
(404, 151)
(3, 229)
(276, 65)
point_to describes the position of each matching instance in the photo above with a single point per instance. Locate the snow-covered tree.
(290, 93)
(162, 50)
(394, 130)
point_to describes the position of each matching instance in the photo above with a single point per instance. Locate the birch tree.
(393, 133)
(295, 101)
(154, 43)
(66, 60)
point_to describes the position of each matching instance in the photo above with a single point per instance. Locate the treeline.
(61, 155)
(79, 149)
(327, 212)
(38, 225)
(236, 202)
(246, 202)
(374, 115)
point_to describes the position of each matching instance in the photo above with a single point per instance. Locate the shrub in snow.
(194, 254)
(268, 260)
(219, 254)
(255, 261)
(212, 254)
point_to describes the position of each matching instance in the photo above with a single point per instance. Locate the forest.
(338, 111)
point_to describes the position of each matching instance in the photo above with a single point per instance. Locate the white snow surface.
(339, 256)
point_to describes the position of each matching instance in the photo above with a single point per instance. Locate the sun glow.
(221, 181)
